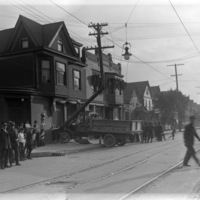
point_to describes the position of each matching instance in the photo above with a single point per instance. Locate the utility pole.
(176, 75)
(98, 28)
(99, 32)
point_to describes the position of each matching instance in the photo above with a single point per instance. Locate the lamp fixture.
(126, 54)
(126, 47)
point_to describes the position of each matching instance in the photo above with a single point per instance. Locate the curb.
(63, 152)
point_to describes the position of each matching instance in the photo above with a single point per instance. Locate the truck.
(112, 132)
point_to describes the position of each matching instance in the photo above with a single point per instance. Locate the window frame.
(48, 70)
(95, 72)
(77, 79)
(63, 75)
(24, 40)
(60, 46)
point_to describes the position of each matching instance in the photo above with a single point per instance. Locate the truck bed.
(110, 126)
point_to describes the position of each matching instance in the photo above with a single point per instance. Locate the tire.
(121, 141)
(65, 137)
(109, 140)
(77, 138)
(131, 138)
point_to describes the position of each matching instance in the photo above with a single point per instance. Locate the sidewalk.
(61, 149)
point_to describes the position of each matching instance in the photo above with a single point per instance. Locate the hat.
(4, 123)
(192, 117)
(11, 123)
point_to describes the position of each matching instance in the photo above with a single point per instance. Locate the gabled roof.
(41, 35)
(50, 30)
(4, 38)
(154, 91)
(128, 93)
(139, 87)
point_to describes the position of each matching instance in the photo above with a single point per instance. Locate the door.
(15, 115)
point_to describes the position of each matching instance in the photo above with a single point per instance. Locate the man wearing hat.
(5, 146)
(189, 135)
(13, 132)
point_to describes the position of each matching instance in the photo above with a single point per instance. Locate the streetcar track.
(139, 188)
(86, 169)
(118, 171)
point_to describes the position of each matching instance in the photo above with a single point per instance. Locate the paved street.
(103, 172)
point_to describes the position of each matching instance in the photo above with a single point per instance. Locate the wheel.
(121, 141)
(109, 140)
(131, 138)
(77, 138)
(65, 137)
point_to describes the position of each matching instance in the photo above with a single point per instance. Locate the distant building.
(108, 104)
(139, 95)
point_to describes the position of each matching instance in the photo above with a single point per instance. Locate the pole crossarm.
(176, 75)
(93, 48)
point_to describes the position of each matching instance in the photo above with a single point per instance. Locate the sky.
(160, 33)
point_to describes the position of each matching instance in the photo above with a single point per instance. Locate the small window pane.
(76, 74)
(61, 73)
(24, 43)
(60, 46)
(45, 71)
(77, 80)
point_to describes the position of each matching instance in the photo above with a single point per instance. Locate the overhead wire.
(163, 61)
(69, 13)
(184, 26)
(26, 10)
(112, 41)
(39, 12)
(186, 32)
(104, 36)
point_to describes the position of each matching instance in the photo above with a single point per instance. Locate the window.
(77, 80)
(60, 46)
(24, 43)
(61, 73)
(96, 78)
(77, 50)
(45, 71)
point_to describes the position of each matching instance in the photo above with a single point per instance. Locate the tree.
(172, 106)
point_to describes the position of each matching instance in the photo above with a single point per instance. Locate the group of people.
(189, 136)
(16, 143)
(150, 130)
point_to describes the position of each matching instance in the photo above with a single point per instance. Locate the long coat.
(189, 134)
(4, 140)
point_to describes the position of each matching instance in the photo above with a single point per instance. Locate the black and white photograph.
(99, 99)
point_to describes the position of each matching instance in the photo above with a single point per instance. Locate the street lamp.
(126, 54)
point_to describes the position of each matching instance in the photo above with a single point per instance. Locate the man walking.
(189, 134)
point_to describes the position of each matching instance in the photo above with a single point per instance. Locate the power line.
(144, 62)
(184, 27)
(132, 11)
(160, 61)
(69, 13)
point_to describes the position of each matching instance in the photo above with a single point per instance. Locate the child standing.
(22, 143)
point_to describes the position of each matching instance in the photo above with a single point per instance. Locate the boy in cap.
(189, 134)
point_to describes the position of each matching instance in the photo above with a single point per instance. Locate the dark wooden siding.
(17, 72)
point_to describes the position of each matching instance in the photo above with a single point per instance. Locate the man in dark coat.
(5, 147)
(13, 132)
(29, 142)
(189, 134)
